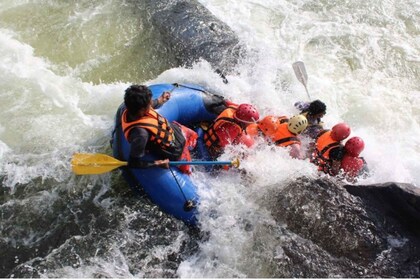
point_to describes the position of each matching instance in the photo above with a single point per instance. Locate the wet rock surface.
(192, 33)
(399, 202)
(362, 231)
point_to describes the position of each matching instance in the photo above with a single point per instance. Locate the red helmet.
(354, 146)
(340, 131)
(246, 113)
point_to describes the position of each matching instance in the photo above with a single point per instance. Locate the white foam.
(361, 60)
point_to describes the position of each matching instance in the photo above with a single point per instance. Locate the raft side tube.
(189, 104)
(170, 189)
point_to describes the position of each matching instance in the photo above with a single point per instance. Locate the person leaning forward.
(145, 129)
(313, 111)
(284, 132)
(329, 150)
(230, 128)
(352, 164)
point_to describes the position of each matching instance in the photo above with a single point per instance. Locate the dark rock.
(395, 210)
(327, 214)
(301, 258)
(374, 229)
(193, 33)
(399, 202)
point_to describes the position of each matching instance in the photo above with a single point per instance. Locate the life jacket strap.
(287, 139)
(329, 146)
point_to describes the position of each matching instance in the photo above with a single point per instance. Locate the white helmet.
(297, 124)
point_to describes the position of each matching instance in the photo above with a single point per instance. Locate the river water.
(64, 66)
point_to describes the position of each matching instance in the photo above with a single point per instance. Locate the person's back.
(329, 151)
(147, 130)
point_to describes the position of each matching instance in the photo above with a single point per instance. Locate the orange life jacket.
(210, 137)
(159, 128)
(252, 129)
(169, 142)
(323, 145)
(283, 137)
(268, 128)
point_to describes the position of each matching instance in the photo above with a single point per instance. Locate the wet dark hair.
(317, 107)
(137, 97)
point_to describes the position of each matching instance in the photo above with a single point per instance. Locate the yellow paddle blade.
(236, 163)
(83, 164)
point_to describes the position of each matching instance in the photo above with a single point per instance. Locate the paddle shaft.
(307, 92)
(171, 163)
(101, 163)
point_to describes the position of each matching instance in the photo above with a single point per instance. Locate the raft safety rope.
(189, 204)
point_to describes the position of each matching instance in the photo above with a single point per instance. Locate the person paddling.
(145, 129)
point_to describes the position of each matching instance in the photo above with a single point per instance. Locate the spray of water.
(62, 81)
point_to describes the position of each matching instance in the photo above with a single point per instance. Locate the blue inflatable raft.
(174, 192)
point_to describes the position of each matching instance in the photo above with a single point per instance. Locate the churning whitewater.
(64, 69)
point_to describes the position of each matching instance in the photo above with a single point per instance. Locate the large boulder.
(399, 203)
(193, 33)
(373, 230)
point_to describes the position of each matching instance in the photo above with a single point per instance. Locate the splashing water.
(64, 68)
